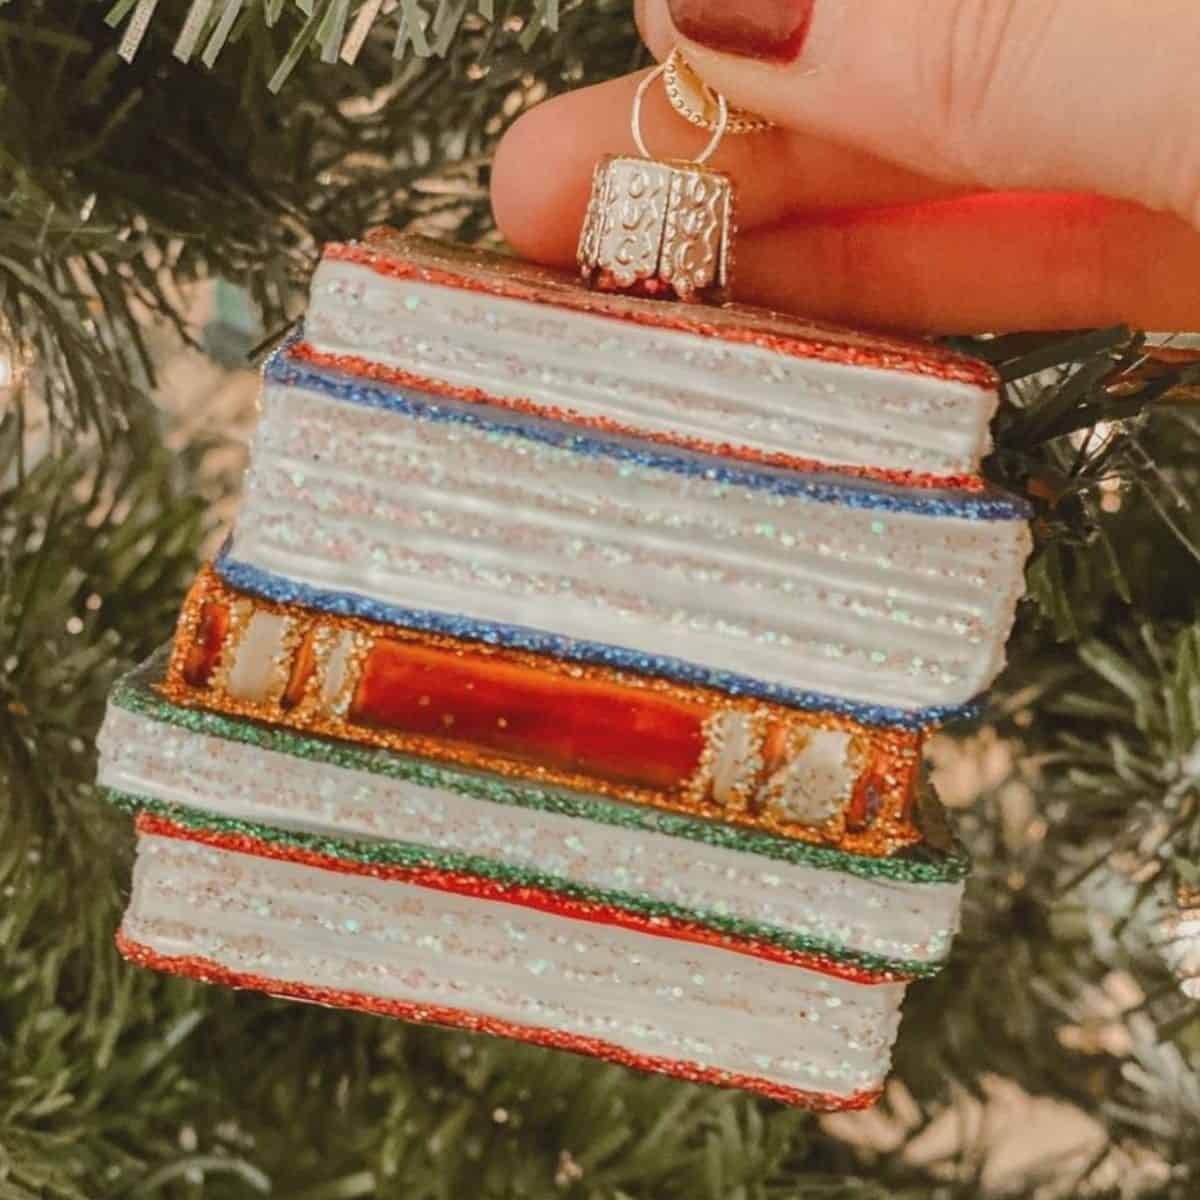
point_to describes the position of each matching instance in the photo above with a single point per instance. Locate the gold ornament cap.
(660, 228)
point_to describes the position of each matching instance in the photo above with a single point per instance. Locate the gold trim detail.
(875, 818)
(699, 104)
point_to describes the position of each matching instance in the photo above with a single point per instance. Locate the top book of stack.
(732, 381)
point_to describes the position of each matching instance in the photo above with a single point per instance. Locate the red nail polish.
(774, 30)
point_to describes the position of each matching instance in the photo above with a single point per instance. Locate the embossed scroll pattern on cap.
(659, 228)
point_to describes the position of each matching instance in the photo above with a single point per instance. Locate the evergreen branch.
(117, 189)
(119, 186)
(326, 29)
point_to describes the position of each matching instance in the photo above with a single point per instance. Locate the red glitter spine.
(351, 364)
(530, 716)
(589, 726)
(207, 970)
(463, 883)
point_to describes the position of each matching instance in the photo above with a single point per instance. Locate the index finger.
(542, 172)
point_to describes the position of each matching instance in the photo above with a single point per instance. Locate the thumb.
(1088, 95)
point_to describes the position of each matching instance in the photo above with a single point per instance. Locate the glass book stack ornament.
(566, 674)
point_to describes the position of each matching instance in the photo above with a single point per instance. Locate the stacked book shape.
(567, 672)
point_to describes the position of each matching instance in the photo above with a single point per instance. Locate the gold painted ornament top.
(660, 228)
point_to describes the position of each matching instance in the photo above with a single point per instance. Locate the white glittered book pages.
(567, 672)
(731, 380)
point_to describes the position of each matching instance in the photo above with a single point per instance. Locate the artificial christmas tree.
(125, 184)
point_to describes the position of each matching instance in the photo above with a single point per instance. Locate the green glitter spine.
(403, 854)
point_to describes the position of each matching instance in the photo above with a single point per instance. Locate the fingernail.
(774, 30)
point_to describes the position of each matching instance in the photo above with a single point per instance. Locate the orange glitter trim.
(468, 268)
(352, 364)
(895, 753)
(464, 883)
(206, 970)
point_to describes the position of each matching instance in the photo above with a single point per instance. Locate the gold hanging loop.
(660, 228)
(639, 98)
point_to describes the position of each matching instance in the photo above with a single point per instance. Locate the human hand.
(952, 165)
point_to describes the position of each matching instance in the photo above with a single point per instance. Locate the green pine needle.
(122, 185)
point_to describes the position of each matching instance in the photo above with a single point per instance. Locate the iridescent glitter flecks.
(406, 257)
(206, 970)
(526, 716)
(567, 672)
(870, 492)
(897, 609)
(247, 578)
(396, 941)
(918, 864)
(364, 368)
(486, 880)
(246, 786)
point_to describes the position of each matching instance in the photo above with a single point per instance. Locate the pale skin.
(938, 165)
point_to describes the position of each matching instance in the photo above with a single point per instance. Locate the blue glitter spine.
(777, 481)
(248, 578)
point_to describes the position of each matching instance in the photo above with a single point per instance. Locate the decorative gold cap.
(660, 228)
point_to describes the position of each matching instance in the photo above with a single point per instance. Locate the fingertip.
(539, 191)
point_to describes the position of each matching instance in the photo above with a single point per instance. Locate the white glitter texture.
(913, 921)
(654, 380)
(909, 610)
(397, 941)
